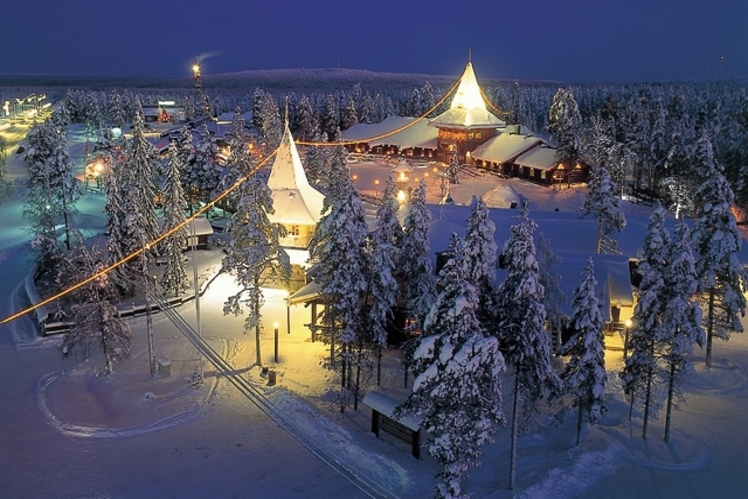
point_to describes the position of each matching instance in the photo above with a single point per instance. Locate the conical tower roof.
(468, 109)
(295, 201)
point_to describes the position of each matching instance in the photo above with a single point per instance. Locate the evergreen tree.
(457, 389)
(316, 163)
(257, 116)
(385, 256)
(565, 123)
(428, 99)
(681, 180)
(521, 328)
(115, 111)
(640, 367)
(350, 115)
(584, 375)
(255, 258)
(681, 319)
(604, 204)
(204, 175)
(419, 291)
(175, 274)
(138, 175)
(114, 208)
(480, 257)
(97, 325)
(60, 116)
(330, 119)
(338, 247)
(272, 126)
(308, 127)
(717, 242)
(52, 188)
(553, 296)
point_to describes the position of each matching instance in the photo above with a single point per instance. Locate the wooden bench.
(407, 428)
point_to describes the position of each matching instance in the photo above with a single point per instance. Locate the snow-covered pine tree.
(204, 174)
(457, 388)
(658, 144)
(60, 116)
(385, 256)
(97, 325)
(257, 98)
(114, 208)
(565, 125)
(255, 257)
(428, 99)
(419, 291)
(338, 247)
(52, 188)
(175, 275)
(584, 375)
(115, 111)
(272, 125)
(640, 367)
(330, 118)
(138, 181)
(92, 111)
(681, 319)
(717, 241)
(596, 142)
(308, 127)
(521, 331)
(316, 162)
(553, 296)
(604, 203)
(480, 257)
(682, 179)
(350, 115)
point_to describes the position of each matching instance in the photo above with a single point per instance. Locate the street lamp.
(275, 328)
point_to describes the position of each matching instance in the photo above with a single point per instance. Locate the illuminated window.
(294, 231)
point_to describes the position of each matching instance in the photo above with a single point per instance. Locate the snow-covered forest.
(484, 356)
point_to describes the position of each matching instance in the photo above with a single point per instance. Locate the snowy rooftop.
(505, 147)
(412, 133)
(294, 200)
(541, 158)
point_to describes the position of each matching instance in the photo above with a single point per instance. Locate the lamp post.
(275, 329)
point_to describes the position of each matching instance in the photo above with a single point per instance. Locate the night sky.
(564, 40)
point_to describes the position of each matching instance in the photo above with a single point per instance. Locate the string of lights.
(132, 255)
(387, 134)
(490, 104)
(209, 205)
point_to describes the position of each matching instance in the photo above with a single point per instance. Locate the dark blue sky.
(571, 40)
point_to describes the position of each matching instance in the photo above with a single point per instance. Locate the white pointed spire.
(294, 200)
(468, 94)
(468, 109)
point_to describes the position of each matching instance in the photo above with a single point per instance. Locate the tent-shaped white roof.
(468, 109)
(418, 134)
(294, 200)
(505, 147)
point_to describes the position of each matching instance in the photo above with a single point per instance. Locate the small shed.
(199, 231)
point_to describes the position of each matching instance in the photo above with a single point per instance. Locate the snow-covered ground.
(66, 431)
